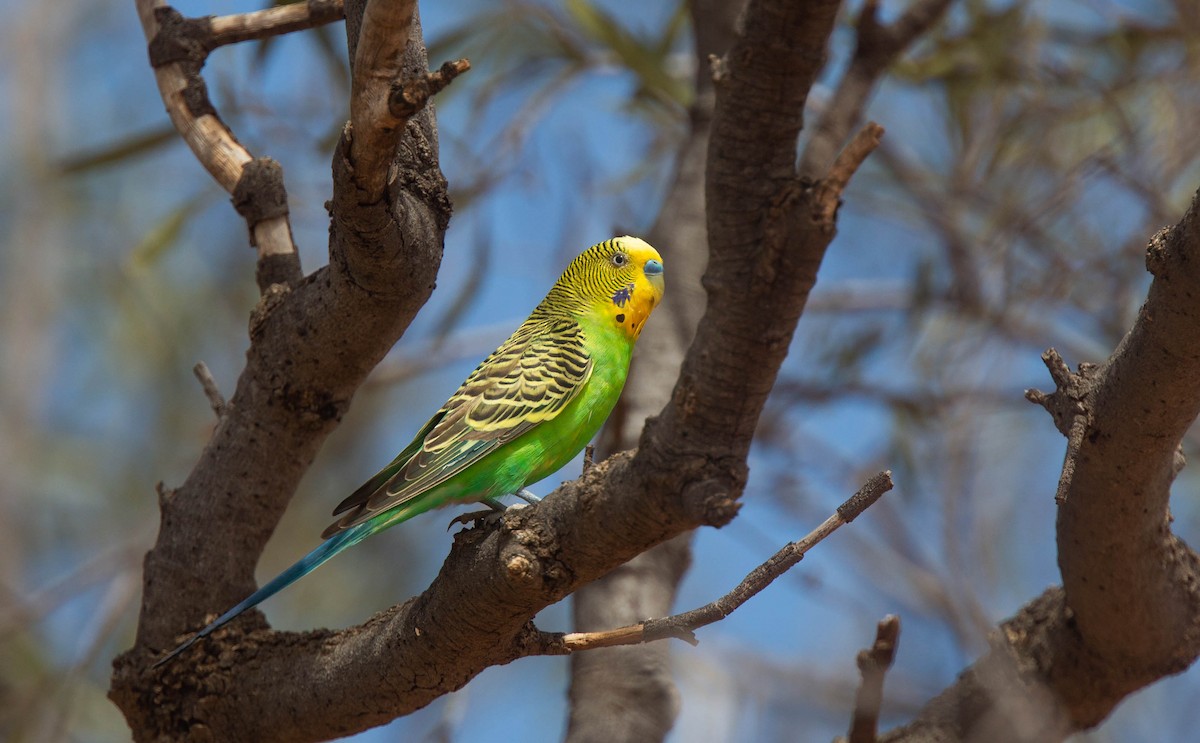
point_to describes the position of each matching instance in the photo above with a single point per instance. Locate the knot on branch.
(408, 97)
(259, 193)
(1069, 399)
(312, 407)
(420, 175)
(1157, 252)
(270, 299)
(519, 569)
(531, 557)
(708, 485)
(718, 68)
(184, 40)
(713, 501)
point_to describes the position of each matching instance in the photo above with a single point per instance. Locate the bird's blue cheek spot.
(622, 295)
(653, 267)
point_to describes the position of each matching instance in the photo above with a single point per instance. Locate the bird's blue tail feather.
(303, 567)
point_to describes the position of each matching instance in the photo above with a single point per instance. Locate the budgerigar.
(524, 412)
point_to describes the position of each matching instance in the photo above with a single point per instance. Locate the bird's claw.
(470, 517)
(488, 516)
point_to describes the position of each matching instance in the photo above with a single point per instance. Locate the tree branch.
(410, 96)
(211, 391)
(1129, 612)
(829, 192)
(683, 626)
(765, 245)
(766, 241)
(1131, 583)
(877, 47)
(873, 664)
(178, 49)
(275, 21)
(378, 62)
(304, 363)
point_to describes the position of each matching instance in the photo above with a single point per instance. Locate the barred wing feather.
(527, 381)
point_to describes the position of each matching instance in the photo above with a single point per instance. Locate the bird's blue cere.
(653, 267)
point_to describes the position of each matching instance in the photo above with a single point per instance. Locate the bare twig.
(850, 158)
(848, 162)
(873, 664)
(281, 19)
(410, 96)
(589, 457)
(1066, 406)
(211, 391)
(683, 625)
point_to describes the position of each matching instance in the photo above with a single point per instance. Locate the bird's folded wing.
(527, 381)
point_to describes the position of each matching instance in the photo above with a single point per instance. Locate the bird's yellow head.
(620, 279)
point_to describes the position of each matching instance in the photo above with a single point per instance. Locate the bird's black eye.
(619, 259)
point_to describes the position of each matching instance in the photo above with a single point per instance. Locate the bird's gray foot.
(527, 495)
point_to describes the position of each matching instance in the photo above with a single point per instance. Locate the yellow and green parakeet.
(524, 412)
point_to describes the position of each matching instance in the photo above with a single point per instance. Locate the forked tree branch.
(178, 49)
(304, 363)
(768, 231)
(385, 91)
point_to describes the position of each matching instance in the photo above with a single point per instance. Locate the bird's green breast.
(549, 446)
